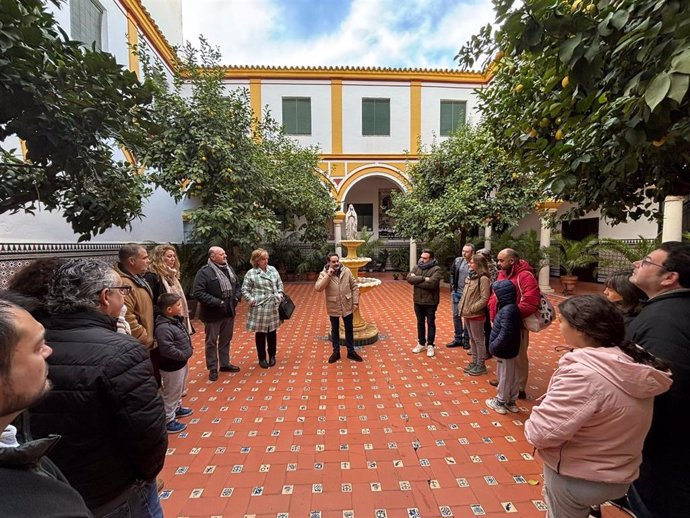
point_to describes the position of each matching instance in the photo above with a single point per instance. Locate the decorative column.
(487, 237)
(338, 228)
(672, 229)
(546, 210)
(413, 253)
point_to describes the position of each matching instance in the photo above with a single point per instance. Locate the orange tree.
(594, 95)
(466, 181)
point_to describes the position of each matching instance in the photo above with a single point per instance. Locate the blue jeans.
(139, 501)
(461, 335)
(426, 314)
(349, 333)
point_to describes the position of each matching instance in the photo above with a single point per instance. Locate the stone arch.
(368, 171)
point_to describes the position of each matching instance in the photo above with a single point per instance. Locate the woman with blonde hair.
(263, 290)
(164, 277)
(472, 309)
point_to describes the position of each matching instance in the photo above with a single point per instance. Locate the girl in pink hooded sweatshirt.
(590, 426)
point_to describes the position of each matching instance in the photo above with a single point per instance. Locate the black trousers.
(261, 339)
(426, 323)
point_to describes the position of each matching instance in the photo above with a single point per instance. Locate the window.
(297, 115)
(376, 115)
(86, 20)
(452, 116)
(365, 215)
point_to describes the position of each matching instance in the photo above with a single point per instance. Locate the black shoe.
(230, 368)
(466, 347)
(263, 364)
(213, 374)
(271, 361)
(522, 395)
(352, 355)
(453, 344)
(334, 357)
(493, 383)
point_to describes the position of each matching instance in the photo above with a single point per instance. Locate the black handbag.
(286, 307)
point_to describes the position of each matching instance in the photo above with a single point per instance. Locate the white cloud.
(396, 33)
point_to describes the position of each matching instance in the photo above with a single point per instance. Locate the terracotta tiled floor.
(398, 436)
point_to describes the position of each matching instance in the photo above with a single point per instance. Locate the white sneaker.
(512, 407)
(495, 405)
(430, 351)
(418, 348)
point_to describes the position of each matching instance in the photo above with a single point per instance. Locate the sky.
(370, 33)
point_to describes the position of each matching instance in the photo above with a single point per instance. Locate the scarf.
(426, 266)
(225, 277)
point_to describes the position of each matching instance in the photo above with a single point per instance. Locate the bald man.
(217, 289)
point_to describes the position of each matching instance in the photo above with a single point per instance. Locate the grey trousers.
(218, 336)
(522, 360)
(173, 384)
(569, 497)
(475, 329)
(508, 384)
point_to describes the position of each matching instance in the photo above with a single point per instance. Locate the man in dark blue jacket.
(458, 275)
(31, 484)
(663, 328)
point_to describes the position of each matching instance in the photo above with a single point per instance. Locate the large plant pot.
(312, 276)
(568, 283)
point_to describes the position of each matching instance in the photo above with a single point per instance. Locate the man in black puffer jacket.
(105, 402)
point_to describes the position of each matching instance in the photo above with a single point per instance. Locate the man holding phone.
(342, 300)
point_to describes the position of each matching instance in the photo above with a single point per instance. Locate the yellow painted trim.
(23, 148)
(356, 74)
(336, 169)
(354, 166)
(548, 205)
(336, 116)
(148, 27)
(129, 156)
(326, 181)
(350, 180)
(415, 116)
(370, 157)
(255, 97)
(132, 42)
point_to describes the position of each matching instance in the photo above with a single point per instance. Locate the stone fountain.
(365, 333)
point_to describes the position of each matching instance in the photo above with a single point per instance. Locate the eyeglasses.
(125, 290)
(647, 262)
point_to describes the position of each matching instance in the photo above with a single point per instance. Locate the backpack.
(542, 317)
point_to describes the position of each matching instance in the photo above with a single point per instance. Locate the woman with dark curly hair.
(624, 294)
(590, 426)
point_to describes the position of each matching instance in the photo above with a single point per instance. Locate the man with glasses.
(663, 328)
(342, 300)
(458, 276)
(105, 401)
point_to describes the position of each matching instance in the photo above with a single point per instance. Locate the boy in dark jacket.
(504, 344)
(175, 348)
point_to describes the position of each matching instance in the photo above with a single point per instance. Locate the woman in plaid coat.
(263, 290)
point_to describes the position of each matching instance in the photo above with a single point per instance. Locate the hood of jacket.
(505, 292)
(519, 267)
(635, 379)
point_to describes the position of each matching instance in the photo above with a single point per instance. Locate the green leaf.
(679, 87)
(657, 90)
(620, 18)
(681, 62)
(567, 48)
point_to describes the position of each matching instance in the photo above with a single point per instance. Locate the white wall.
(399, 139)
(366, 190)
(432, 95)
(272, 93)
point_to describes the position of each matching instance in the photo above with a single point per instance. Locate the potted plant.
(620, 254)
(400, 259)
(575, 254)
(285, 255)
(396, 275)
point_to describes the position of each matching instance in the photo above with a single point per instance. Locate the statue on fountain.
(351, 223)
(365, 333)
